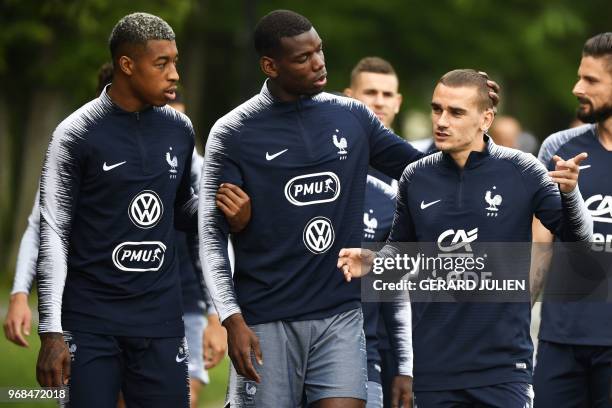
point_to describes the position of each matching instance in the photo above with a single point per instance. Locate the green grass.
(18, 365)
(213, 394)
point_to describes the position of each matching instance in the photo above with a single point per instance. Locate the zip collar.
(109, 103)
(475, 159)
(266, 95)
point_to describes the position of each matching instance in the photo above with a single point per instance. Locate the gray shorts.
(195, 323)
(305, 361)
(375, 395)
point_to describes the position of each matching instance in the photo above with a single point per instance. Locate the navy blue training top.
(110, 186)
(378, 210)
(588, 320)
(466, 345)
(304, 165)
(192, 290)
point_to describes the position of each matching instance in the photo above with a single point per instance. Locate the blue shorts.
(507, 395)
(305, 361)
(572, 376)
(150, 372)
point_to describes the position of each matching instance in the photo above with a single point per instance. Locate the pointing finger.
(580, 158)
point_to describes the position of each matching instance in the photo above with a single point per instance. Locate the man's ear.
(268, 66)
(126, 65)
(399, 103)
(487, 120)
(348, 92)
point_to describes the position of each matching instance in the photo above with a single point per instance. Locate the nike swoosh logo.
(275, 155)
(586, 166)
(107, 168)
(180, 359)
(424, 206)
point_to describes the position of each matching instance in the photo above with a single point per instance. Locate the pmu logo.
(313, 188)
(146, 209)
(318, 235)
(146, 256)
(600, 207)
(451, 240)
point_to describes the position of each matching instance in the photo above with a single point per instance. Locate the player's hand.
(18, 319)
(53, 365)
(401, 391)
(235, 204)
(355, 262)
(242, 344)
(494, 89)
(566, 172)
(215, 342)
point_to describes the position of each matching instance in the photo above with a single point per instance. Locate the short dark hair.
(137, 29)
(105, 76)
(599, 46)
(276, 25)
(470, 78)
(375, 65)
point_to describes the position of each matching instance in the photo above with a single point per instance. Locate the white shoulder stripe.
(213, 249)
(427, 161)
(554, 142)
(390, 190)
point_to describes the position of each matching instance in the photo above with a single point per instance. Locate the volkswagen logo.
(146, 209)
(318, 235)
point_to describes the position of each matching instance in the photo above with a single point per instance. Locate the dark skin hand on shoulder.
(242, 342)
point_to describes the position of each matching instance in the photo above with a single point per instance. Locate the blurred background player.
(206, 338)
(574, 362)
(374, 82)
(507, 131)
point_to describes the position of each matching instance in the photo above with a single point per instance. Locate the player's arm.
(59, 190)
(237, 210)
(357, 262)
(186, 201)
(541, 255)
(19, 316)
(231, 199)
(215, 341)
(221, 165)
(400, 335)
(215, 336)
(557, 201)
(389, 153)
(235, 205)
(399, 326)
